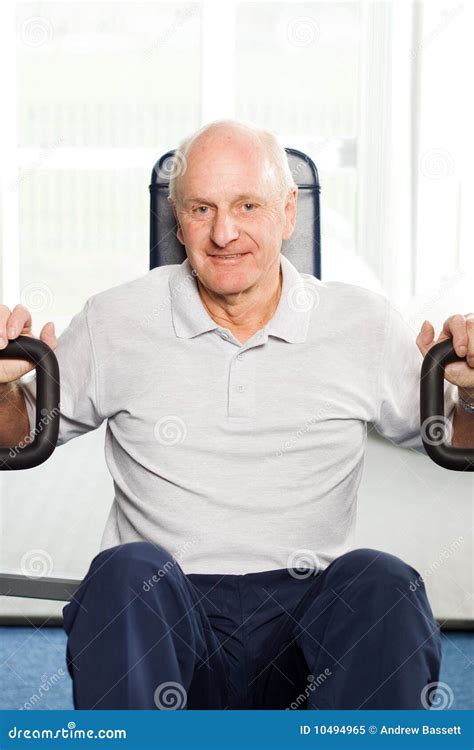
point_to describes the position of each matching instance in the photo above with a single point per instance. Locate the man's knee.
(365, 562)
(140, 563)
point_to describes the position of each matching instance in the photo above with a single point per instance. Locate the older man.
(237, 393)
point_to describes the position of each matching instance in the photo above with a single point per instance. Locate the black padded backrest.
(303, 248)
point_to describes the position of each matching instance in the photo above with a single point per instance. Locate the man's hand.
(461, 329)
(14, 323)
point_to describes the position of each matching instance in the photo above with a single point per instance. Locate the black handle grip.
(47, 404)
(433, 421)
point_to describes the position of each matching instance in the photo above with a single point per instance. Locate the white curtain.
(412, 206)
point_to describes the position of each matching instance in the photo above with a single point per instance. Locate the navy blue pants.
(142, 634)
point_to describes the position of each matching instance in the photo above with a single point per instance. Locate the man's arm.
(460, 373)
(463, 421)
(79, 410)
(14, 423)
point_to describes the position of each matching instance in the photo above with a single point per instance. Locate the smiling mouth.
(230, 255)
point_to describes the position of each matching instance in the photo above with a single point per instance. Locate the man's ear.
(290, 213)
(179, 233)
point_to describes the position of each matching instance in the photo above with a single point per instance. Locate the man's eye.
(249, 204)
(198, 209)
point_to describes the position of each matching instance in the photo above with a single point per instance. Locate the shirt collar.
(290, 320)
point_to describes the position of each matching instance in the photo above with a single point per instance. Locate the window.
(101, 90)
(97, 91)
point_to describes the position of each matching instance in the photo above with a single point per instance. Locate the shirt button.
(240, 357)
(224, 335)
(240, 388)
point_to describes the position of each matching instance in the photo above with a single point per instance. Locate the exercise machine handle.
(434, 424)
(47, 404)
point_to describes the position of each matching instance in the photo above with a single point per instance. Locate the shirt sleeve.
(78, 371)
(398, 391)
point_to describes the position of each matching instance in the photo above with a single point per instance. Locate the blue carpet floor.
(34, 676)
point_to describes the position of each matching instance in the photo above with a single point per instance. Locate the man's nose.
(224, 228)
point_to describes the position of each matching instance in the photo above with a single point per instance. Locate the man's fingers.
(470, 335)
(427, 331)
(425, 337)
(48, 335)
(19, 321)
(12, 322)
(4, 315)
(456, 327)
(16, 322)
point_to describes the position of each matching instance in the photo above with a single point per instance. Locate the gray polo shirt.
(237, 458)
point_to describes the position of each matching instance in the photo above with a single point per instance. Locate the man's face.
(230, 204)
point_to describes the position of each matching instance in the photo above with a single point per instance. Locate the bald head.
(242, 142)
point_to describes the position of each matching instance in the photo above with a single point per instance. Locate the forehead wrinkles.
(208, 180)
